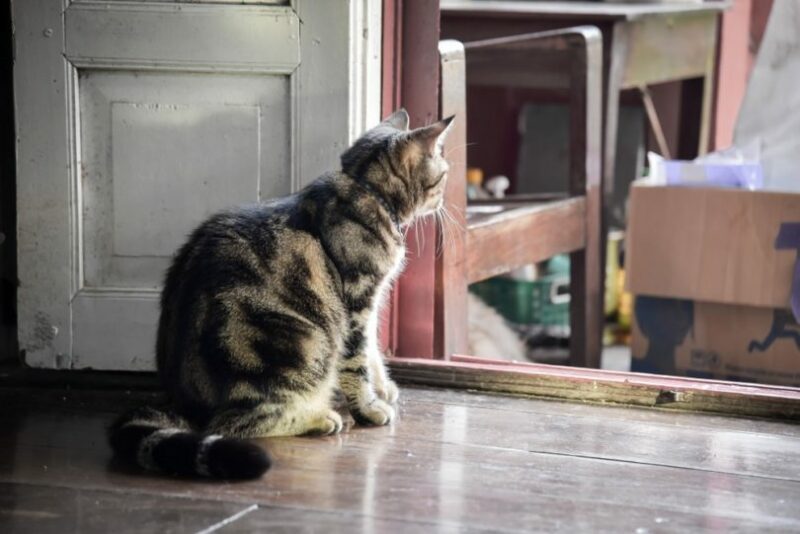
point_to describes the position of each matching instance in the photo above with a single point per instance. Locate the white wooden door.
(137, 119)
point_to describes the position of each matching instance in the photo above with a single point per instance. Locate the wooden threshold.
(495, 243)
(599, 386)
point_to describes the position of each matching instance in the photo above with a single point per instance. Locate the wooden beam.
(494, 240)
(655, 122)
(450, 299)
(587, 266)
(605, 387)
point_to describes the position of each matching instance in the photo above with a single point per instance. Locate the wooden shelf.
(494, 229)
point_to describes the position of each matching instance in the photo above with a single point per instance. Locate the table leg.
(708, 94)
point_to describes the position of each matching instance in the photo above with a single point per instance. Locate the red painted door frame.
(411, 80)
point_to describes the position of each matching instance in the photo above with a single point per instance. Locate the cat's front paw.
(376, 413)
(388, 391)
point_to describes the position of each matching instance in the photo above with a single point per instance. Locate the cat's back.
(252, 264)
(285, 221)
(274, 242)
(231, 246)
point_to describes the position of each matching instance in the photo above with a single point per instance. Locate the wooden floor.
(453, 462)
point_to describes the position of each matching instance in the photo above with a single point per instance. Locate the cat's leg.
(359, 374)
(385, 387)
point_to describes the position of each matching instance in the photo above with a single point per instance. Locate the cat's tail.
(161, 441)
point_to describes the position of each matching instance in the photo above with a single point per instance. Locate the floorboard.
(453, 462)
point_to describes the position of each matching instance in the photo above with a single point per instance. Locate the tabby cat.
(268, 310)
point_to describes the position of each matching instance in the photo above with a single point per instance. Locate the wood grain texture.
(192, 37)
(450, 300)
(587, 266)
(44, 227)
(596, 385)
(689, 37)
(543, 69)
(518, 236)
(595, 11)
(453, 462)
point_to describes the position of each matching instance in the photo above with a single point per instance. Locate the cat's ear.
(398, 119)
(432, 137)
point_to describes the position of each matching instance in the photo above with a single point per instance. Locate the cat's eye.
(437, 181)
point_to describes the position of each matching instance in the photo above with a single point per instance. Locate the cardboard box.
(712, 291)
(721, 341)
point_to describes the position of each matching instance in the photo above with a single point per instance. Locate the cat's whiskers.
(424, 223)
(416, 236)
(441, 233)
(457, 147)
(452, 225)
(447, 220)
(433, 220)
(453, 219)
(455, 226)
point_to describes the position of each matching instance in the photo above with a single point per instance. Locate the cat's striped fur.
(267, 309)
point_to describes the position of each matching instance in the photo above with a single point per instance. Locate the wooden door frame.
(8, 196)
(411, 80)
(410, 59)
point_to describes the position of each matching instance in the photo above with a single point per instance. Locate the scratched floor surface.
(453, 462)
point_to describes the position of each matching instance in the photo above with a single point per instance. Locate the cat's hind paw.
(326, 424)
(376, 413)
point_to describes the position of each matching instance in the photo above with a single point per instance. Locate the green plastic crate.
(543, 302)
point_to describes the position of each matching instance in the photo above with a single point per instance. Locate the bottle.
(497, 185)
(474, 182)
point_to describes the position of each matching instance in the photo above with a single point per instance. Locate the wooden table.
(643, 44)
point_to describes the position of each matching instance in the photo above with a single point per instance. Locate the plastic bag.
(734, 167)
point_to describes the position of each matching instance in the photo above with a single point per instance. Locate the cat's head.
(406, 167)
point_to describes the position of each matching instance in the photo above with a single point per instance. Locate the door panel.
(264, 38)
(160, 152)
(136, 120)
(112, 330)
